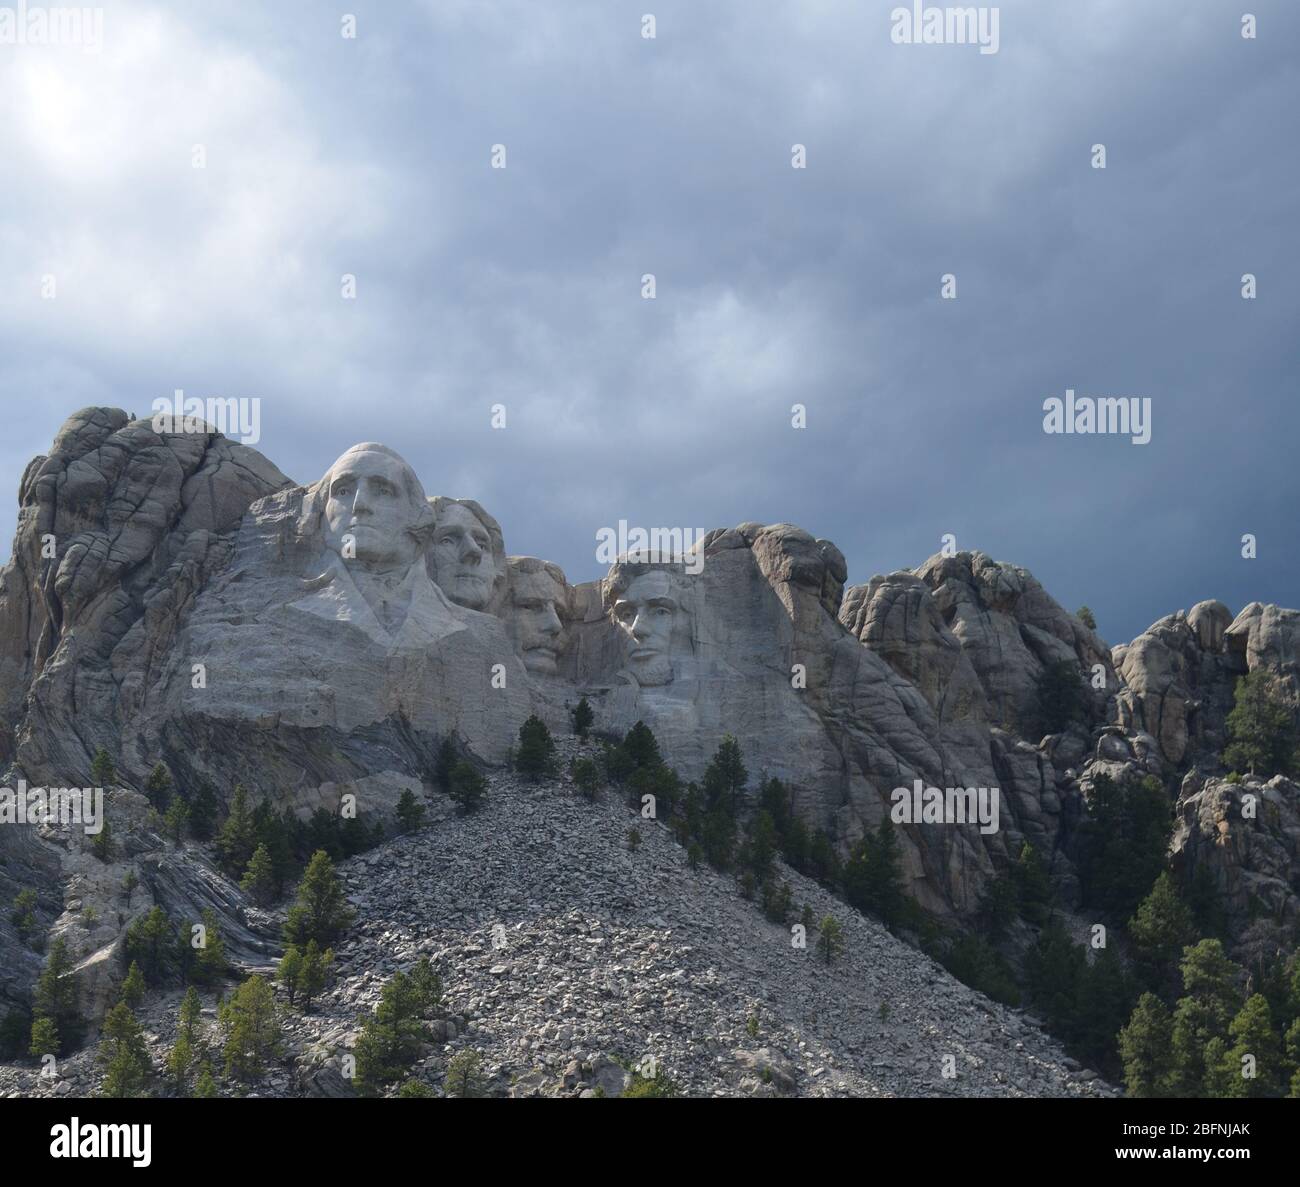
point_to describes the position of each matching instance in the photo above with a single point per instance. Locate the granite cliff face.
(174, 597)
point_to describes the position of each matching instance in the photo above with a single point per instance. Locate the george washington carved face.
(370, 509)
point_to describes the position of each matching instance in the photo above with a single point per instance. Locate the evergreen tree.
(1055, 968)
(410, 812)
(1262, 736)
(1033, 886)
(464, 1078)
(467, 787)
(205, 1087)
(390, 1038)
(191, 1012)
(536, 754)
(133, 986)
(777, 901)
(1061, 696)
(1144, 1047)
(1086, 616)
(823, 861)
(640, 749)
(258, 881)
(1255, 1048)
(16, 1035)
(1220, 1076)
(321, 912)
(586, 778)
(123, 1053)
(45, 1037)
(758, 851)
(1209, 1002)
(830, 939)
(23, 916)
(1122, 843)
(129, 884)
(56, 1010)
(159, 788)
(102, 773)
(102, 843)
(151, 942)
(178, 815)
(446, 763)
(289, 971)
(208, 963)
(179, 1060)
(872, 877)
(1160, 931)
(315, 972)
(583, 716)
(254, 1034)
(725, 778)
(238, 837)
(203, 811)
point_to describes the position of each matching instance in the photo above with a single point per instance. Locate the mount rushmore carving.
(174, 597)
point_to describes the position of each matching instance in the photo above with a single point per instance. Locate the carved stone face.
(535, 625)
(462, 557)
(370, 513)
(647, 612)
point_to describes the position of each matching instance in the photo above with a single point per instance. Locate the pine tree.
(536, 754)
(123, 1053)
(1260, 727)
(390, 1038)
(191, 1012)
(725, 778)
(205, 1087)
(203, 811)
(873, 878)
(1144, 1048)
(179, 1060)
(151, 941)
(102, 843)
(464, 1079)
(158, 788)
(254, 1035)
(258, 881)
(237, 838)
(1204, 1012)
(1160, 931)
(177, 817)
(23, 916)
(830, 939)
(1086, 616)
(133, 986)
(586, 778)
(289, 971)
(315, 972)
(1033, 886)
(321, 912)
(56, 1010)
(446, 763)
(467, 787)
(583, 716)
(208, 960)
(129, 884)
(410, 812)
(45, 1037)
(758, 851)
(102, 773)
(1061, 696)
(1255, 1048)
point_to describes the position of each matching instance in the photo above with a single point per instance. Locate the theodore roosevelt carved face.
(537, 609)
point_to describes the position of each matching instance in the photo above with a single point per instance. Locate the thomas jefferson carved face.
(374, 509)
(463, 560)
(536, 603)
(646, 612)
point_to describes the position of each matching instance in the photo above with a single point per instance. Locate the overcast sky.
(522, 286)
